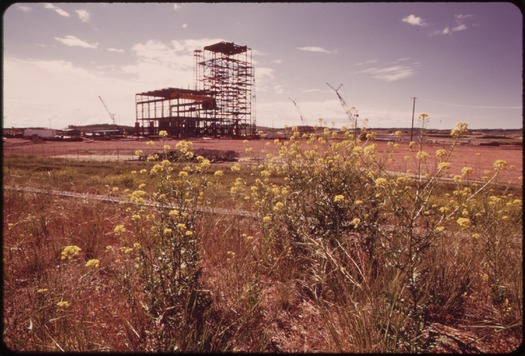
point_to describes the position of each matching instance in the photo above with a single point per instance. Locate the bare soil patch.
(480, 158)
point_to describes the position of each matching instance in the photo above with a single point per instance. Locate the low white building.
(42, 133)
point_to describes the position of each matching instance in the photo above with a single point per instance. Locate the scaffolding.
(176, 111)
(220, 104)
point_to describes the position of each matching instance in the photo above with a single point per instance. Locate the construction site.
(220, 105)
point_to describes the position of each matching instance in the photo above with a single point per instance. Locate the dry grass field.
(348, 246)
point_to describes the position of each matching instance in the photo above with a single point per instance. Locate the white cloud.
(41, 90)
(116, 50)
(370, 61)
(83, 15)
(73, 41)
(315, 49)
(463, 16)
(391, 73)
(265, 79)
(414, 20)
(56, 9)
(460, 27)
(165, 64)
(462, 22)
(278, 89)
(449, 31)
(25, 8)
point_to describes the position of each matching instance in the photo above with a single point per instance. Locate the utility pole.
(413, 110)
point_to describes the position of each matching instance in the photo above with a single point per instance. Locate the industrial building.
(220, 105)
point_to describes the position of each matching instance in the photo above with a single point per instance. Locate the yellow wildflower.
(463, 222)
(466, 171)
(381, 182)
(339, 198)
(441, 153)
(93, 263)
(500, 165)
(444, 165)
(69, 252)
(119, 229)
(370, 149)
(460, 129)
(421, 155)
(63, 304)
(205, 163)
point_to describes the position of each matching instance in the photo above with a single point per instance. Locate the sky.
(461, 61)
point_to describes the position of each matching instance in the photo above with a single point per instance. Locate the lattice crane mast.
(351, 117)
(299, 111)
(112, 116)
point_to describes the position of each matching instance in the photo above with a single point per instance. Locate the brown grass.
(258, 303)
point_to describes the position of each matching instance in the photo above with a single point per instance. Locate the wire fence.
(120, 200)
(80, 153)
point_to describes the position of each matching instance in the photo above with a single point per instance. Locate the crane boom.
(343, 104)
(112, 116)
(298, 110)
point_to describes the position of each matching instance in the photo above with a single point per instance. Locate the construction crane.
(112, 116)
(298, 110)
(351, 117)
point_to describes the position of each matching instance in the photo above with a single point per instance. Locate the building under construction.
(220, 105)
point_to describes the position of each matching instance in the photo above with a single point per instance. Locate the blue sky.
(463, 61)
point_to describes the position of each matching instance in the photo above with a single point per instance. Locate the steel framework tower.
(226, 70)
(220, 104)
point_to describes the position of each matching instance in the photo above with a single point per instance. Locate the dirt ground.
(478, 157)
